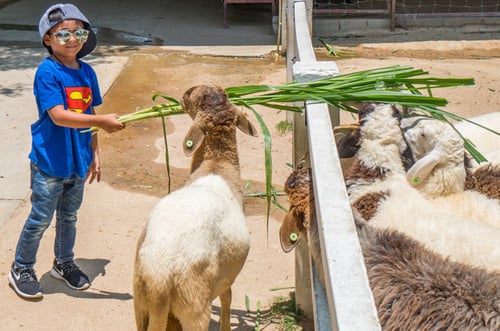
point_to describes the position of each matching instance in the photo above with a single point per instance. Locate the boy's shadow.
(92, 268)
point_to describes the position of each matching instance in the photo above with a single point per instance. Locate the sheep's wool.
(185, 212)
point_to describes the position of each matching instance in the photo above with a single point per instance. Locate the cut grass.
(282, 314)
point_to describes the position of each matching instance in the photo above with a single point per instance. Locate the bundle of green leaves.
(400, 85)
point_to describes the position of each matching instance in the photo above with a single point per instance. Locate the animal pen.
(347, 302)
(399, 11)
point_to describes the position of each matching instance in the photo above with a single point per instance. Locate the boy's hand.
(94, 172)
(111, 123)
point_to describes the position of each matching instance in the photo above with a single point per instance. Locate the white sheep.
(437, 145)
(438, 150)
(196, 241)
(413, 288)
(378, 189)
(440, 171)
(493, 156)
(484, 140)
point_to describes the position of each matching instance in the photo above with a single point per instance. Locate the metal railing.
(356, 7)
(347, 302)
(398, 10)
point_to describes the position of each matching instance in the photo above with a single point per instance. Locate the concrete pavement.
(168, 22)
(107, 239)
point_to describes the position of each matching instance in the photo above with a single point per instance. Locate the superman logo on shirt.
(78, 98)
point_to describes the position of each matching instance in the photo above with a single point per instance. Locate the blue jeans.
(48, 195)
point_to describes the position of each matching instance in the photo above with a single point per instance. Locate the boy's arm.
(62, 117)
(94, 172)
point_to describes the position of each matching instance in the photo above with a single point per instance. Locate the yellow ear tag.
(189, 143)
(415, 180)
(293, 236)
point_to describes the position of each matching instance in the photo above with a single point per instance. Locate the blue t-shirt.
(60, 151)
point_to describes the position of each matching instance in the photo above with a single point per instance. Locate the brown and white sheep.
(436, 160)
(196, 241)
(377, 187)
(413, 287)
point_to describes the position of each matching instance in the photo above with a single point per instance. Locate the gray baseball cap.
(69, 12)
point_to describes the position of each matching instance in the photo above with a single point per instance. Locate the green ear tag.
(189, 143)
(293, 236)
(415, 180)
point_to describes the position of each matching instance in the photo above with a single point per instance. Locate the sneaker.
(25, 282)
(71, 274)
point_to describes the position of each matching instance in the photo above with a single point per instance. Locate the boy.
(62, 157)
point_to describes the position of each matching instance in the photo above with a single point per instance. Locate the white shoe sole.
(20, 293)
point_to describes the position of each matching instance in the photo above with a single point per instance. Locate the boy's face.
(71, 47)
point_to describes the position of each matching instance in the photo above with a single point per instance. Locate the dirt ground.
(133, 162)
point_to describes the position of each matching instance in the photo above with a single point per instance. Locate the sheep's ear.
(347, 139)
(423, 168)
(244, 124)
(193, 139)
(291, 231)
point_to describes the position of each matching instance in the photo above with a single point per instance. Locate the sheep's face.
(209, 107)
(204, 97)
(434, 145)
(371, 115)
(294, 226)
(380, 122)
(213, 98)
(298, 188)
(211, 111)
(422, 134)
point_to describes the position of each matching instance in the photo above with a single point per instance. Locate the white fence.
(347, 304)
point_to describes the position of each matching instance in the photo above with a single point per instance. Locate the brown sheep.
(196, 241)
(485, 179)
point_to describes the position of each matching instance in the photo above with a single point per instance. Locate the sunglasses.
(63, 36)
